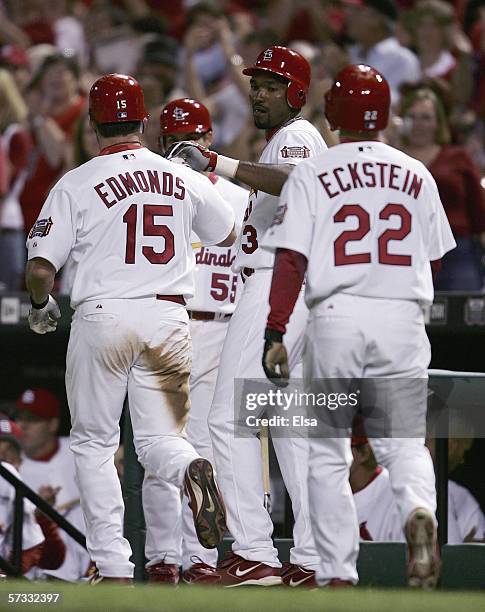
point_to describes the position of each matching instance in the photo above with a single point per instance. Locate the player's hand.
(275, 358)
(43, 320)
(198, 157)
(49, 493)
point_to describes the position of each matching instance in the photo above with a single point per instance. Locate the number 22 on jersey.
(342, 258)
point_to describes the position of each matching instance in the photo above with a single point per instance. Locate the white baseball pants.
(180, 545)
(140, 347)
(350, 336)
(238, 460)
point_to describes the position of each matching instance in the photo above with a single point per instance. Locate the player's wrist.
(226, 166)
(39, 305)
(273, 335)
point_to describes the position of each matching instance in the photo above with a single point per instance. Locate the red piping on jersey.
(121, 146)
(270, 133)
(376, 473)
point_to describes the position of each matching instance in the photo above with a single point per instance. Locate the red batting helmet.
(116, 98)
(289, 64)
(184, 116)
(359, 100)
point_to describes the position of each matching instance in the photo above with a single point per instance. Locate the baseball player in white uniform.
(279, 83)
(52, 465)
(32, 536)
(364, 220)
(377, 511)
(125, 218)
(217, 290)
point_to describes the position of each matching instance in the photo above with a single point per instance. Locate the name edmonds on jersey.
(146, 181)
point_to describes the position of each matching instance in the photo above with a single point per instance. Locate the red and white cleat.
(201, 573)
(206, 503)
(165, 573)
(423, 554)
(297, 576)
(236, 571)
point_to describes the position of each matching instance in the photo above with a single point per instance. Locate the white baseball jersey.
(377, 512)
(464, 515)
(31, 533)
(125, 217)
(216, 286)
(291, 144)
(380, 520)
(58, 471)
(368, 218)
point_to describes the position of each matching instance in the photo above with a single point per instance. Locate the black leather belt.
(201, 315)
(178, 299)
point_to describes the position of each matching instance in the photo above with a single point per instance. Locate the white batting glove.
(198, 157)
(43, 320)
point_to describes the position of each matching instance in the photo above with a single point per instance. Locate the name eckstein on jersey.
(147, 181)
(205, 258)
(370, 174)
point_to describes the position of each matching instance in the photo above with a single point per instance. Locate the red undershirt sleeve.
(288, 274)
(435, 267)
(54, 551)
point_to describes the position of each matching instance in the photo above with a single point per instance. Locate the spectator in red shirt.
(55, 105)
(15, 148)
(426, 137)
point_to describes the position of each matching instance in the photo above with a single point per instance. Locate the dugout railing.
(13, 567)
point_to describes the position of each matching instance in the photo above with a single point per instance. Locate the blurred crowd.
(431, 51)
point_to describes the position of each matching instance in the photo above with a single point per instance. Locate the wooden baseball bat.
(69, 505)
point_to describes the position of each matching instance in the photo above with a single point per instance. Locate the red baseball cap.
(40, 402)
(9, 430)
(14, 56)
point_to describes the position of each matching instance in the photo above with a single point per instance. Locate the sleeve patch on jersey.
(279, 215)
(298, 152)
(41, 228)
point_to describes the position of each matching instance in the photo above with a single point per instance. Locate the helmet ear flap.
(295, 96)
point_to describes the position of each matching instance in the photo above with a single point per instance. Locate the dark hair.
(56, 58)
(150, 23)
(109, 130)
(202, 8)
(161, 50)
(264, 37)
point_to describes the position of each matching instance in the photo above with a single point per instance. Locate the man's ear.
(92, 123)
(54, 425)
(207, 139)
